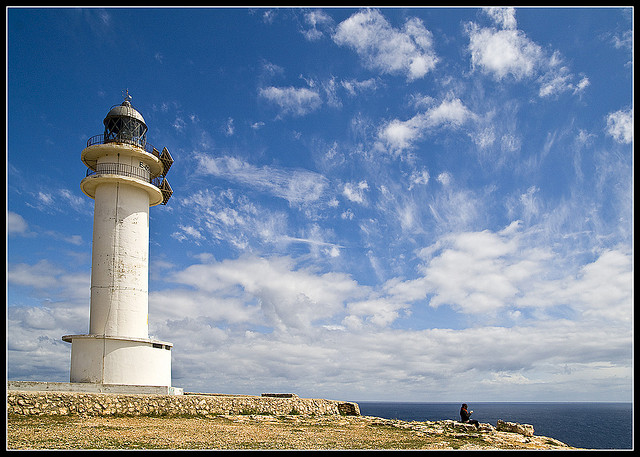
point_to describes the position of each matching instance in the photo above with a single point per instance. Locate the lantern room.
(124, 124)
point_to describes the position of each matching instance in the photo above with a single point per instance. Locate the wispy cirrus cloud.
(294, 185)
(292, 100)
(316, 21)
(59, 200)
(215, 217)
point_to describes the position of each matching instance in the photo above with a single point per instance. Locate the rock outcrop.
(513, 427)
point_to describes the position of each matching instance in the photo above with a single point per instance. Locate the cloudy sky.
(430, 204)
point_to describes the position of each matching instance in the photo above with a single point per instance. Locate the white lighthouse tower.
(125, 176)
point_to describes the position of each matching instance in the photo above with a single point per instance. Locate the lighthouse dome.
(125, 124)
(124, 110)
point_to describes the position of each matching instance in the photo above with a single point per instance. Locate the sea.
(582, 425)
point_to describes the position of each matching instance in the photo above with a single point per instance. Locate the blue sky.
(428, 204)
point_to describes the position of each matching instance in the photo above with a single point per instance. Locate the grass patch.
(253, 412)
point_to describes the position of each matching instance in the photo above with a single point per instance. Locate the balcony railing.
(141, 142)
(122, 169)
(140, 172)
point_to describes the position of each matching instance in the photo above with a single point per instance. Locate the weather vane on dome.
(126, 95)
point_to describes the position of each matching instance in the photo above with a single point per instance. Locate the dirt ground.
(246, 432)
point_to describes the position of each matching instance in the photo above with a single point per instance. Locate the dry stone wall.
(93, 404)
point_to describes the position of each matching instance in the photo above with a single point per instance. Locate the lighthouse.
(125, 176)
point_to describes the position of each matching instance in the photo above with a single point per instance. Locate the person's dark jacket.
(464, 415)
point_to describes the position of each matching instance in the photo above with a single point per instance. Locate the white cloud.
(398, 136)
(503, 17)
(16, 224)
(316, 20)
(50, 280)
(170, 307)
(380, 312)
(558, 79)
(454, 209)
(600, 291)
(288, 298)
(582, 85)
(222, 217)
(444, 178)
(402, 210)
(291, 100)
(220, 314)
(620, 126)
(46, 302)
(46, 199)
(355, 192)
(330, 89)
(179, 124)
(229, 128)
(623, 42)
(530, 204)
(294, 185)
(485, 272)
(354, 87)
(347, 215)
(268, 16)
(42, 275)
(187, 232)
(478, 272)
(505, 52)
(408, 51)
(418, 178)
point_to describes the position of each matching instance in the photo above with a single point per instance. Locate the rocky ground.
(258, 432)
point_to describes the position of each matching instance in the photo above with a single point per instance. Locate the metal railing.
(141, 142)
(123, 169)
(142, 172)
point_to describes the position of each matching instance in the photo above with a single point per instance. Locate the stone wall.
(98, 404)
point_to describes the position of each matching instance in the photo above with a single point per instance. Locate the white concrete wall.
(115, 361)
(120, 265)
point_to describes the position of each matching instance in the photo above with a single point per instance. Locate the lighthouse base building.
(116, 360)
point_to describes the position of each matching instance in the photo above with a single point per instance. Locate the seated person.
(464, 416)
